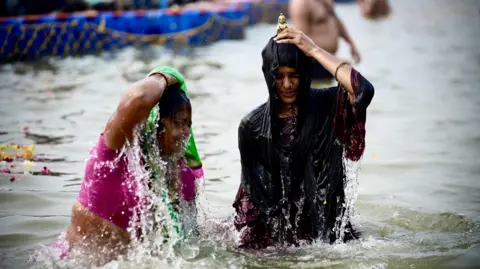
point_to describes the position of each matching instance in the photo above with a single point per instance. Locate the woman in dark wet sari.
(292, 147)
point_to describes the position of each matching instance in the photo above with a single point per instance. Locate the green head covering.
(191, 154)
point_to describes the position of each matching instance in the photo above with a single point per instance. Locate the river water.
(418, 194)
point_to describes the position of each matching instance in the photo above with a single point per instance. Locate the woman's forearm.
(151, 90)
(143, 97)
(133, 109)
(330, 63)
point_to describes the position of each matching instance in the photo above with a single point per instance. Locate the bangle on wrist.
(336, 69)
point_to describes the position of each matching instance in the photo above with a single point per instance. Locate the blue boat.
(32, 37)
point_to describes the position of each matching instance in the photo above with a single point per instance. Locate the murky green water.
(419, 193)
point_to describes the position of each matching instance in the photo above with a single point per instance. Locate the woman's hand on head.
(297, 38)
(171, 80)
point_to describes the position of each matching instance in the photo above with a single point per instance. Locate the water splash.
(352, 170)
(151, 229)
(150, 238)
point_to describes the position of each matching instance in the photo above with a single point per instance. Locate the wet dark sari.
(293, 176)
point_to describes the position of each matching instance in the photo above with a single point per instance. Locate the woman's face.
(286, 87)
(176, 130)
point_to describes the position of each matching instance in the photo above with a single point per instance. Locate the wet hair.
(172, 101)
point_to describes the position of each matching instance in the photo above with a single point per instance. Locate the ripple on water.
(406, 220)
(42, 139)
(35, 202)
(30, 230)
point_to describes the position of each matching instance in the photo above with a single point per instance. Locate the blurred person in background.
(374, 9)
(318, 20)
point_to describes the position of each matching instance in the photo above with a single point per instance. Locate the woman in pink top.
(104, 213)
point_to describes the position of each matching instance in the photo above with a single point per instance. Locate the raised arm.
(360, 91)
(350, 115)
(134, 108)
(340, 70)
(353, 95)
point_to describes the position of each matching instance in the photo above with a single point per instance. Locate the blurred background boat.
(81, 28)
